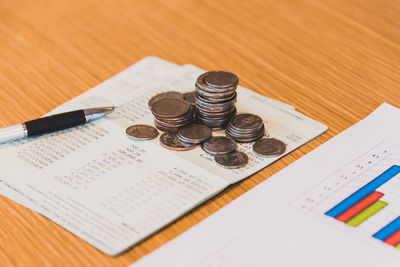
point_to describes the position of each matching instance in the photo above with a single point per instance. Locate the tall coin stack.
(215, 98)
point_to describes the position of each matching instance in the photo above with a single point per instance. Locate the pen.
(52, 123)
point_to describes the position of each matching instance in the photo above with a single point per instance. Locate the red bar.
(359, 206)
(393, 239)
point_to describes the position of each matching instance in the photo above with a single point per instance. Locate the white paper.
(114, 192)
(281, 223)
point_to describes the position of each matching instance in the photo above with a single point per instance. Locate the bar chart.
(364, 196)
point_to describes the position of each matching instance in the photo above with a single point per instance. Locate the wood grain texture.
(335, 61)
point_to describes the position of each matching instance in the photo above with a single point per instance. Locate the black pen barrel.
(55, 122)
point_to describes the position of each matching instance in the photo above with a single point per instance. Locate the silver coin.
(165, 128)
(170, 108)
(177, 120)
(239, 134)
(179, 123)
(232, 160)
(245, 136)
(221, 79)
(141, 132)
(171, 141)
(216, 115)
(269, 147)
(199, 101)
(213, 123)
(194, 133)
(219, 145)
(246, 121)
(169, 94)
(214, 109)
(206, 94)
(201, 85)
(215, 100)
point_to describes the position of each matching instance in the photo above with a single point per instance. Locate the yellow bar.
(366, 213)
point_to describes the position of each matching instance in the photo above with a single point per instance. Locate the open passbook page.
(112, 191)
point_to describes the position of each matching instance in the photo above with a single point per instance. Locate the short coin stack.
(168, 94)
(171, 114)
(245, 128)
(216, 98)
(194, 133)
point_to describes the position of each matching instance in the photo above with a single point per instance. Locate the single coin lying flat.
(219, 145)
(269, 147)
(141, 132)
(233, 160)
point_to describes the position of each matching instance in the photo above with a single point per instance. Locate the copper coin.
(171, 141)
(141, 132)
(219, 145)
(170, 108)
(169, 94)
(221, 79)
(269, 147)
(232, 160)
(165, 128)
(189, 97)
(194, 133)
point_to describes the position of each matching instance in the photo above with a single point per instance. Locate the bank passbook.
(112, 191)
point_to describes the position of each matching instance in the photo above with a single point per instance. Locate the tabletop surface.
(335, 61)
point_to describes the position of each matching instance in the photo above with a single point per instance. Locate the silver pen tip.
(94, 113)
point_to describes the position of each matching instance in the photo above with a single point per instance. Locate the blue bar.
(388, 230)
(363, 191)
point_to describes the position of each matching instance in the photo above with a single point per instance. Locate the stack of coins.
(194, 133)
(215, 98)
(171, 113)
(213, 104)
(168, 94)
(245, 128)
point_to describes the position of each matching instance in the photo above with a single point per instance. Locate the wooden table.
(335, 61)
